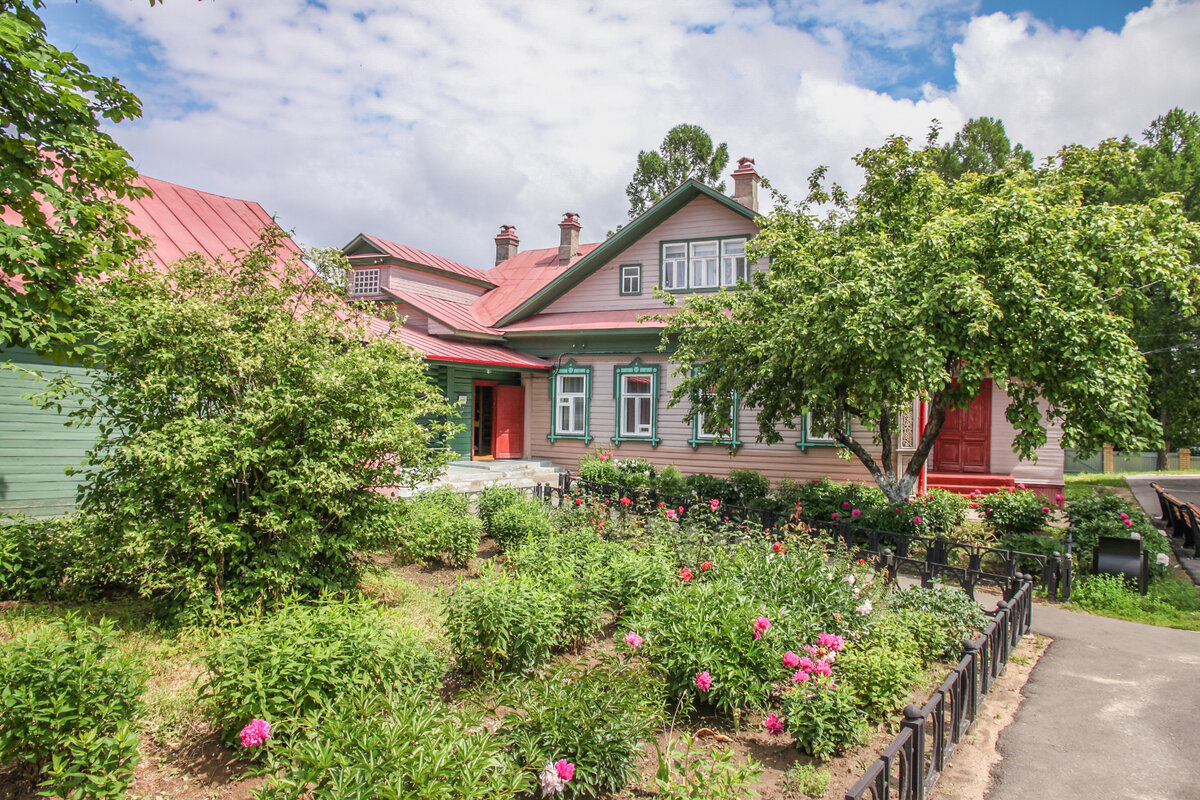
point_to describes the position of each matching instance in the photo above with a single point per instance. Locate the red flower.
(778, 547)
(625, 501)
(578, 502)
(704, 567)
(685, 573)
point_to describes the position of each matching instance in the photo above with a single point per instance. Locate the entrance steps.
(966, 482)
(473, 476)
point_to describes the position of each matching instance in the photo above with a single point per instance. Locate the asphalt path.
(1185, 488)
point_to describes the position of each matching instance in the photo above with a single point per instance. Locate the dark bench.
(1181, 520)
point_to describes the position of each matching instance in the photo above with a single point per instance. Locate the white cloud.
(433, 123)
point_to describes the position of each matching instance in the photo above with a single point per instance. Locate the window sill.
(653, 441)
(580, 437)
(805, 445)
(729, 444)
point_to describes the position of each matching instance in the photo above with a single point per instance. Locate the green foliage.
(257, 459)
(693, 770)
(635, 473)
(439, 524)
(943, 512)
(305, 656)
(1170, 603)
(982, 146)
(825, 717)
(880, 676)
(1101, 515)
(686, 152)
(966, 293)
(62, 183)
(67, 704)
(750, 487)
(371, 745)
(600, 467)
(940, 618)
(494, 499)
(526, 518)
(594, 717)
(1013, 512)
(805, 780)
(671, 481)
(706, 487)
(504, 622)
(41, 559)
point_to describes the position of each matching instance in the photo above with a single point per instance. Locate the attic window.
(366, 281)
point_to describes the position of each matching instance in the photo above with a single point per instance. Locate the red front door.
(965, 441)
(509, 422)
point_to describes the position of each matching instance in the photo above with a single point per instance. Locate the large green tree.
(981, 146)
(246, 415)
(916, 287)
(686, 151)
(62, 182)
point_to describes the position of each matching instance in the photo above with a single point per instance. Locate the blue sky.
(434, 123)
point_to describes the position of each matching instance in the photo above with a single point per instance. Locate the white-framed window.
(637, 405)
(570, 416)
(704, 264)
(733, 262)
(366, 281)
(631, 279)
(675, 266)
(705, 433)
(812, 438)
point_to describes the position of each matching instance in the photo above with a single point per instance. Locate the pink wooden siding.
(777, 461)
(443, 286)
(700, 218)
(1048, 469)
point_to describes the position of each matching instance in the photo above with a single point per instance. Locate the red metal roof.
(459, 316)
(519, 278)
(415, 256)
(602, 319)
(436, 349)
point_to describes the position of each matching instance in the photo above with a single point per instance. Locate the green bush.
(635, 473)
(825, 717)
(528, 518)
(600, 467)
(594, 717)
(750, 488)
(806, 780)
(239, 437)
(879, 675)
(706, 487)
(691, 767)
(1101, 515)
(942, 512)
(671, 481)
(1013, 511)
(304, 657)
(941, 618)
(1106, 594)
(67, 704)
(40, 559)
(494, 499)
(1034, 543)
(504, 622)
(786, 496)
(439, 525)
(369, 744)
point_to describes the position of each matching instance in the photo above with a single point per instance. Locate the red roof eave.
(511, 364)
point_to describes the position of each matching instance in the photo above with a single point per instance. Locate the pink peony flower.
(625, 501)
(865, 608)
(856, 513)
(807, 664)
(681, 509)
(671, 513)
(917, 520)
(714, 504)
(791, 660)
(1058, 498)
(685, 573)
(1128, 523)
(705, 566)
(773, 725)
(801, 677)
(761, 625)
(565, 769)
(846, 505)
(703, 681)
(633, 640)
(822, 668)
(1020, 486)
(1124, 515)
(1045, 510)
(256, 733)
(552, 782)
(831, 641)
(836, 515)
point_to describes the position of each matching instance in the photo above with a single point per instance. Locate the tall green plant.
(246, 415)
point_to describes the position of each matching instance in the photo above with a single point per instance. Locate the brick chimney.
(506, 243)
(745, 184)
(568, 241)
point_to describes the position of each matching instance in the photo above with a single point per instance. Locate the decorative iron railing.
(910, 766)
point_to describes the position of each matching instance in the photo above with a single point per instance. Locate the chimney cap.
(745, 166)
(507, 232)
(570, 218)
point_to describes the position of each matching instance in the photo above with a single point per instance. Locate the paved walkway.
(1112, 712)
(1184, 487)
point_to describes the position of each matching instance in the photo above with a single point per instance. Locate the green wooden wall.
(35, 446)
(459, 381)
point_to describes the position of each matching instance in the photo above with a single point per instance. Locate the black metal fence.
(927, 557)
(910, 766)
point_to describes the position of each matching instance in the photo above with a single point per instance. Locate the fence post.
(1107, 459)
(915, 721)
(1185, 458)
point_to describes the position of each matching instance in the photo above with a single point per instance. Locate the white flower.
(551, 783)
(1163, 559)
(856, 592)
(849, 579)
(865, 608)
(1135, 535)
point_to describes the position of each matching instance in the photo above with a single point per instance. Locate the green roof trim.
(618, 243)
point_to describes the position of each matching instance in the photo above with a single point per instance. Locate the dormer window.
(366, 281)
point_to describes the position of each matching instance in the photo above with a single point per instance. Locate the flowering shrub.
(439, 525)
(879, 675)
(595, 718)
(1109, 515)
(1017, 511)
(67, 703)
(600, 467)
(305, 656)
(393, 744)
(824, 716)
